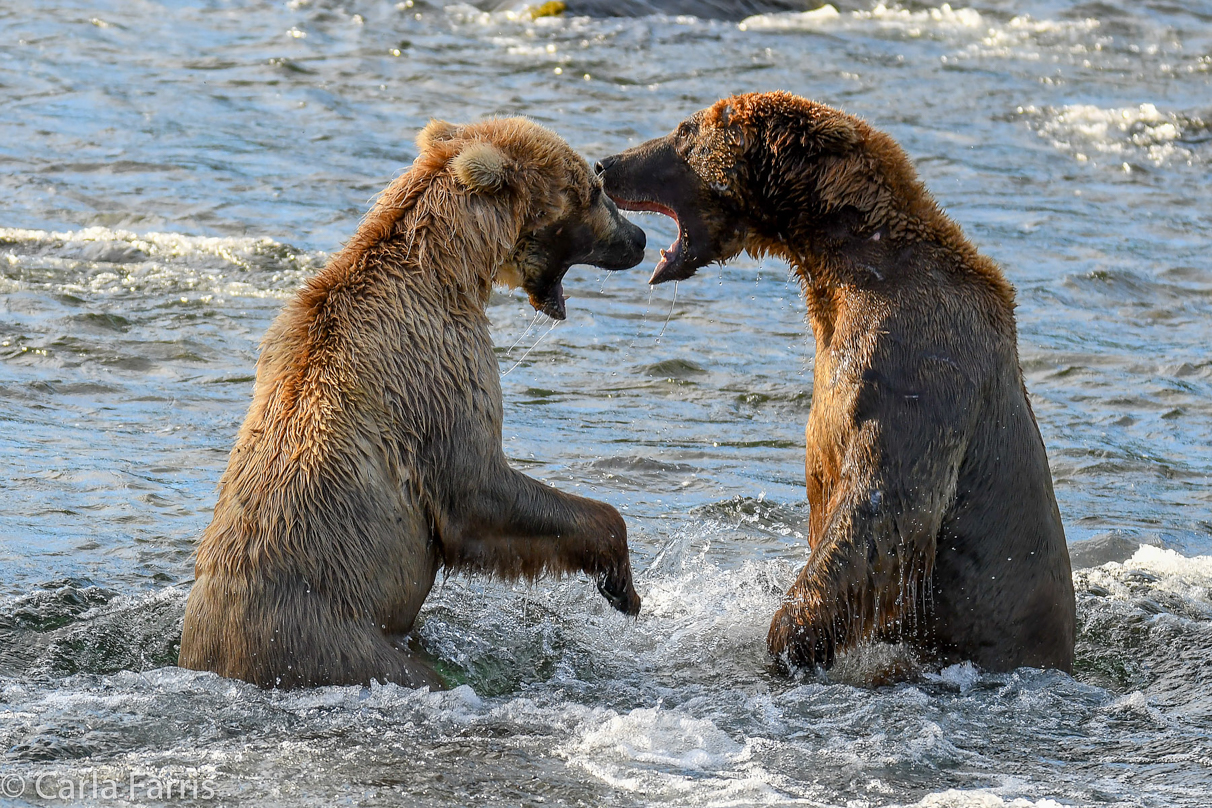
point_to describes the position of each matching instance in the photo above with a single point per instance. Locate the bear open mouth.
(670, 267)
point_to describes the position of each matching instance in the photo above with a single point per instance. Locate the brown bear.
(932, 515)
(371, 455)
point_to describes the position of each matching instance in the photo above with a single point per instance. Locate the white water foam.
(659, 738)
(983, 35)
(675, 758)
(717, 745)
(100, 260)
(954, 798)
(529, 15)
(1195, 570)
(1188, 578)
(913, 24)
(1142, 132)
(520, 12)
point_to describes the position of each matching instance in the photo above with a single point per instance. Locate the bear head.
(761, 172)
(561, 214)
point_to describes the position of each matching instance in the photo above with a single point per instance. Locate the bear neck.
(425, 234)
(861, 224)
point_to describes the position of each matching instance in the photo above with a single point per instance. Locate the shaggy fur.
(371, 455)
(933, 518)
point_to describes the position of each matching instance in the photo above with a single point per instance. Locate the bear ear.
(435, 131)
(481, 167)
(728, 119)
(836, 132)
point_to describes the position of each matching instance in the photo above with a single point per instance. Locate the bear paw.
(796, 642)
(620, 593)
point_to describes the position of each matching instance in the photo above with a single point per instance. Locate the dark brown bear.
(371, 455)
(932, 513)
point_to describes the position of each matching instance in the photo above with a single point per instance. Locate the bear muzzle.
(654, 178)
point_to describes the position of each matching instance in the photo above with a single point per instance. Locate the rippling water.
(171, 171)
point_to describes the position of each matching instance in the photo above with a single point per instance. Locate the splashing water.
(172, 177)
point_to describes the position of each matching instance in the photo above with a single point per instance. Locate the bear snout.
(636, 241)
(623, 247)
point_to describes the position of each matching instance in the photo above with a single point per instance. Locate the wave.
(982, 34)
(1122, 135)
(979, 798)
(73, 626)
(693, 599)
(913, 24)
(677, 707)
(100, 260)
(704, 9)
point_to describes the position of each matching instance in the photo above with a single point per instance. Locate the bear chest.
(832, 427)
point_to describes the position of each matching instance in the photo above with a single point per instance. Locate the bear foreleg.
(865, 578)
(517, 527)
(869, 573)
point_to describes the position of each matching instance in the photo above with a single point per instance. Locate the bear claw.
(625, 599)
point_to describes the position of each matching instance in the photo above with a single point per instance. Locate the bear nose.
(639, 240)
(604, 163)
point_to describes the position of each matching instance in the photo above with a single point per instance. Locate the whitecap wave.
(674, 757)
(980, 34)
(1162, 572)
(671, 709)
(538, 14)
(1142, 133)
(955, 798)
(100, 260)
(658, 737)
(913, 24)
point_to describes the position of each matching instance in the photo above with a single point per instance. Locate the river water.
(171, 171)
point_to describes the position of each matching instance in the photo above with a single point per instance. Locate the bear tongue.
(669, 268)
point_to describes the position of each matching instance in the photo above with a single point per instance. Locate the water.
(171, 171)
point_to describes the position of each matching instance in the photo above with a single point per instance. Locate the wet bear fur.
(933, 518)
(371, 454)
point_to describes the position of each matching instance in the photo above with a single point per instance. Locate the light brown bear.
(371, 455)
(933, 518)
